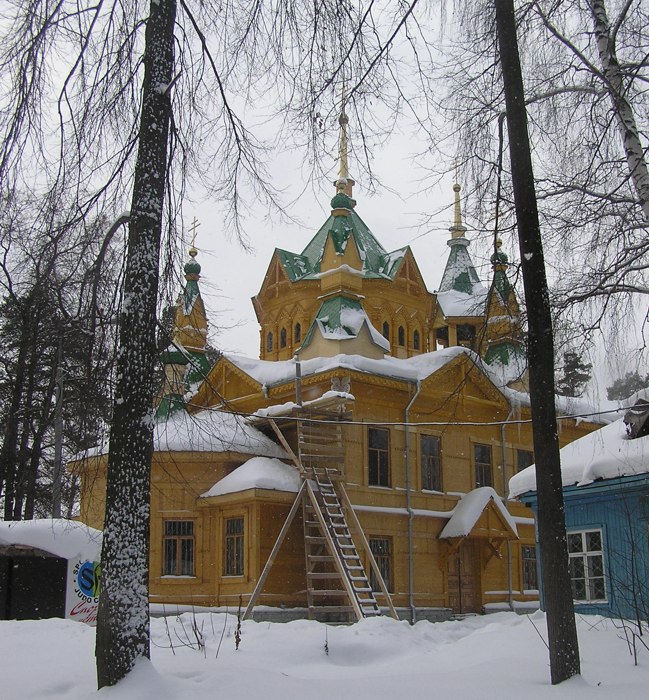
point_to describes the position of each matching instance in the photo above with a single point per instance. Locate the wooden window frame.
(234, 550)
(529, 456)
(382, 550)
(430, 465)
(378, 458)
(178, 548)
(529, 568)
(482, 468)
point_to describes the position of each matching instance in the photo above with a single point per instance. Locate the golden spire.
(344, 182)
(343, 170)
(457, 230)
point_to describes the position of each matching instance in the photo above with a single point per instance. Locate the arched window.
(282, 338)
(298, 333)
(401, 335)
(386, 330)
(415, 340)
(269, 342)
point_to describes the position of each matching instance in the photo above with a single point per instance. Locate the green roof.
(504, 351)
(341, 318)
(377, 262)
(198, 368)
(502, 285)
(459, 275)
(169, 405)
(295, 265)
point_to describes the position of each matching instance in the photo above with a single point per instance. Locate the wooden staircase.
(338, 588)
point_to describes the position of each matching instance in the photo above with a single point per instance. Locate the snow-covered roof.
(606, 453)
(454, 303)
(468, 511)
(63, 538)
(341, 318)
(269, 372)
(209, 431)
(511, 370)
(417, 368)
(258, 473)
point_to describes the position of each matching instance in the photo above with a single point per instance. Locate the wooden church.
(360, 465)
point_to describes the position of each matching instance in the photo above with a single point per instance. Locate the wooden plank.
(278, 543)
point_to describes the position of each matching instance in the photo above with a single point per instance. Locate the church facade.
(411, 405)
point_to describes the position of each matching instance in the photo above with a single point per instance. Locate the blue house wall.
(620, 509)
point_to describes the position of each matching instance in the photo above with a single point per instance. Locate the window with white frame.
(586, 554)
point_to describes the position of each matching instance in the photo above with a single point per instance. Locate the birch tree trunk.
(123, 616)
(633, 150)
(557, 594)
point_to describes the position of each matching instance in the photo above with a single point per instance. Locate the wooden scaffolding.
(337, 585)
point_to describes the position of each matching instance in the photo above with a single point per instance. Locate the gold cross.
(192, 229)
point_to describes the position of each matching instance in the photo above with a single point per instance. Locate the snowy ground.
(496, 656)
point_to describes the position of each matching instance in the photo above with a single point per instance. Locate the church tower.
(460, 301)
(344, 293)
(185, 361)
(503, 347)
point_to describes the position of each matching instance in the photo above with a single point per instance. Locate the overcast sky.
(396, 216)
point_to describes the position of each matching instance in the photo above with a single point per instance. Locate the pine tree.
(575, 375)
(623, 387)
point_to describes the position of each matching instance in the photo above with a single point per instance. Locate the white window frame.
(588, 559)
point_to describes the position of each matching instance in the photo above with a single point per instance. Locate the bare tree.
(143, 101)
(562, 631)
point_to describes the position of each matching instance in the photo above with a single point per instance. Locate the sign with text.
(82, 593)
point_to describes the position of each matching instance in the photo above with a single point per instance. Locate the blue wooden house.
(606, 493)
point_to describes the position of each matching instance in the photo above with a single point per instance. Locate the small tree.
(575, 374)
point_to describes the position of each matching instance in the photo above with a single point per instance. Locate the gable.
(275, 275)
(407, 271)
(480, 513)
(225, 382)
(463, 378)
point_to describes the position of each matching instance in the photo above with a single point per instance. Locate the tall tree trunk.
(9, 449)
(123, 615)
(562, 632)
(633, 150)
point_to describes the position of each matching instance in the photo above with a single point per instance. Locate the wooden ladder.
(338, 588)
(337, 585)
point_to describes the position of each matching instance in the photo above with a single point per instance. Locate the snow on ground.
(497, 656)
